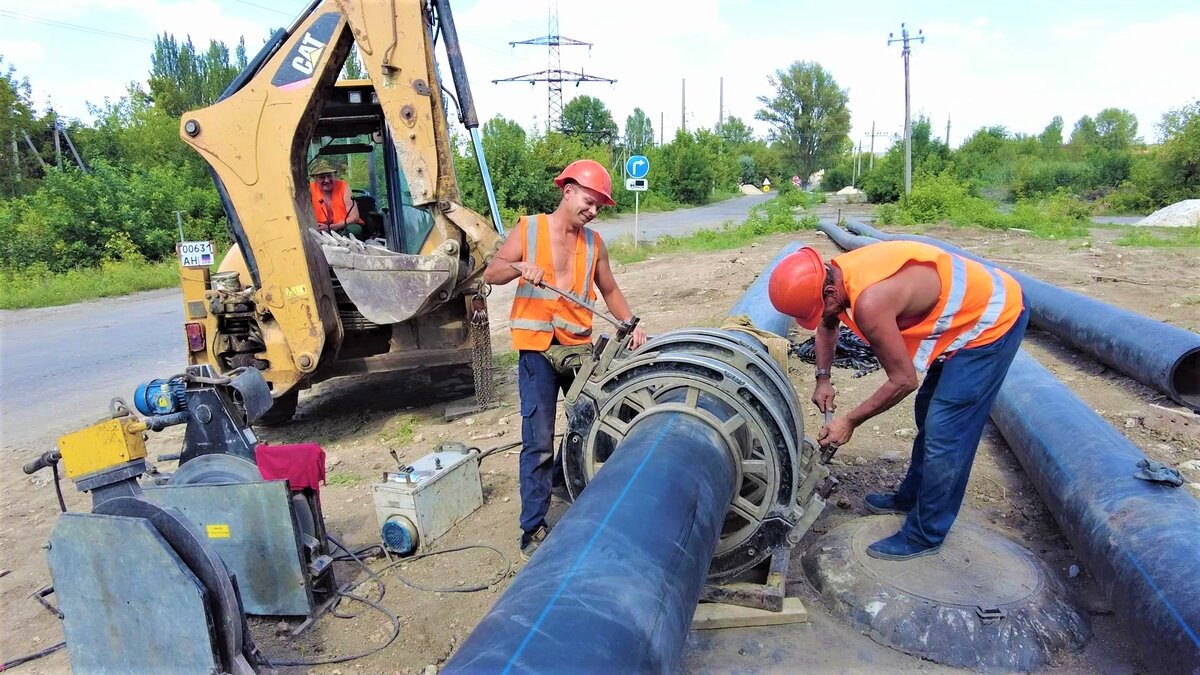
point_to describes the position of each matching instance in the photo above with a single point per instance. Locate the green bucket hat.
(321, 166)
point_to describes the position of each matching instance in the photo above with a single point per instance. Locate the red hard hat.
(590, 174)
(796, 284)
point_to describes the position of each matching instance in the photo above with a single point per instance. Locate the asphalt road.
(60, 366)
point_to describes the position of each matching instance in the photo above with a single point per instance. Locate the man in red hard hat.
(553, 334)
(921, 309)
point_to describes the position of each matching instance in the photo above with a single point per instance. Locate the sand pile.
(1180, 214)
(751, 190)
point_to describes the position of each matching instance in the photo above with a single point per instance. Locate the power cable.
(269, 9)
(77, 27)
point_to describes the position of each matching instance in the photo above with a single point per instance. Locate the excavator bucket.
(387, 287)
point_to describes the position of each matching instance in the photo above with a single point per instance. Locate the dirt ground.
(359, 422)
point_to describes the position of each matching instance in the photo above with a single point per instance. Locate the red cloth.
(302, 465)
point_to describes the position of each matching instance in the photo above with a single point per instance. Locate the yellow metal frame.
(256, 142)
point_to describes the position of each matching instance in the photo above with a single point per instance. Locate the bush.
(942, 198)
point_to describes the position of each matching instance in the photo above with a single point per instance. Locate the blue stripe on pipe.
(1123, 544)
(583, 554)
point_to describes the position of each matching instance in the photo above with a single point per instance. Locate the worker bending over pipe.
(922, 310)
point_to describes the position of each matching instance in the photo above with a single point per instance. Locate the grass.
(1192, 300)
(1176, 237)
(343, 479)
(402, 433)
(507, 359)
(37, 287)
(773, 217)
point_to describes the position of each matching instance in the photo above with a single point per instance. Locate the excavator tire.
(282, 409)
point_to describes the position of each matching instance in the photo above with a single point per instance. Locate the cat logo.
(307, 54)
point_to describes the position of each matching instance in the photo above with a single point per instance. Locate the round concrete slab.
(982, 602)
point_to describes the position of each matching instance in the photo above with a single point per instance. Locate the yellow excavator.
(304, 306)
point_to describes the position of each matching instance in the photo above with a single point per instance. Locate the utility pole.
(554, 75)
(871, 161)
(905, 50)
(721, 106)
(662, 122)
(57, 144)
(947, 131)
(683, 106)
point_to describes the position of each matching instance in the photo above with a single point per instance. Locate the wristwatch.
(822, 371)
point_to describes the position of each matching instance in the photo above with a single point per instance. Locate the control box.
(422, 501)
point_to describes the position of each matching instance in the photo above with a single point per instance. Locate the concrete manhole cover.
(983, 602)
(973, 568)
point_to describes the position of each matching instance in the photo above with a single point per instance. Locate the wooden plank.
(711, 615)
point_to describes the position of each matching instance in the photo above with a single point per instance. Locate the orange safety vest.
(540, 315)
(329, 214)
(978, 304)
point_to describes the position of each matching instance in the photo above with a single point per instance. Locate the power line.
(269, 9)
(72, 26)
(554, 75)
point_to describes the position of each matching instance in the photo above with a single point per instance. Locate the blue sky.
(1013, 63)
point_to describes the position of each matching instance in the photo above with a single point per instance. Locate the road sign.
(637, 184)
(195, 253)
(637, 166)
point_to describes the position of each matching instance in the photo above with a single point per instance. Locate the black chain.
(851, 352)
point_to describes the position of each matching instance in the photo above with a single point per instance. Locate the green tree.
(735, 131)
(1179, 157)
(639, 132)
(352, 69)
(1176, 119)
(183, 79)
(808, 115)
(1085, 134)
(689, 169)
(588, 118)
(17, 120)
(1051, 137)
(1116, 128)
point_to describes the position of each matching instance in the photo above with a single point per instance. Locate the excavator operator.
(331, 201)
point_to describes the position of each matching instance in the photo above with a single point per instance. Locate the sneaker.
(531, 541)
(881, 503)
(899, 547)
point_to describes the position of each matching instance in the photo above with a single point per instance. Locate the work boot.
(899, 547)
(880, 503)
(531, 540)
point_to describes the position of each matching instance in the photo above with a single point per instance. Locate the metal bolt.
(305, 361)
(204, 414)
(191, 128)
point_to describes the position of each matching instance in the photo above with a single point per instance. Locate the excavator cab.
(351, 134)
(301, 305)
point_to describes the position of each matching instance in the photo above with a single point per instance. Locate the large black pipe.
(1140, 540)
(1154, 353)
(614, 588)
(756, 304)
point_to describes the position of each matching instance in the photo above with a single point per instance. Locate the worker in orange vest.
(551, 333)
(922, 310)
(331, 200)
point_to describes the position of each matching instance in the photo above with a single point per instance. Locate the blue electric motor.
(160, 397)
